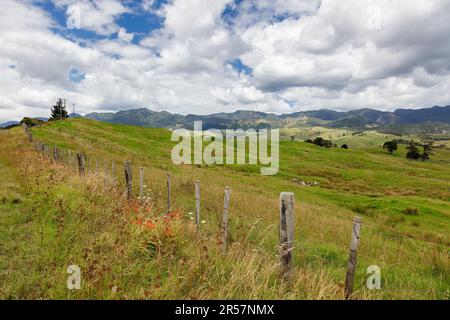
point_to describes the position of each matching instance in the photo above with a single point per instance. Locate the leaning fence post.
(286, 231)
(55, 153)
(351, 268)
(30, 137)
(197, 205)
(128, 179)
(226, 203)
(141, 182)
(81, 167)
(169, 195)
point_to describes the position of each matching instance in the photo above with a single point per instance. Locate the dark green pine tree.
(59, 111)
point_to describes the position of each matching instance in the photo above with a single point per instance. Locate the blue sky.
(137, 21)
(203, 56)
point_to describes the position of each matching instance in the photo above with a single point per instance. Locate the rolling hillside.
(66, 219)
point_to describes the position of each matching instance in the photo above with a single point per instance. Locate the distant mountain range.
(253, 119)
(355, 119)
(8, 124)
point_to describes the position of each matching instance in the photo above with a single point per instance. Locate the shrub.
(411, 211)
(321, 142)
(31, 122)
(391, 146)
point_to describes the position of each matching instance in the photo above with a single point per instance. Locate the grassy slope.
(412, 251)
(343, 136)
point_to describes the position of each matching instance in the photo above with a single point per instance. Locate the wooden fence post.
(105, 167)
(286, 231)
(113, 172)
(141, 182)
(81, 166)
(129, 179)
(30, 137)
(55, 153)
(197, 205)
(169, 194)
(351, 268)
(226, 204)
(43, 150)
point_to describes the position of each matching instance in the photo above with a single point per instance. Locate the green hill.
(68, 220)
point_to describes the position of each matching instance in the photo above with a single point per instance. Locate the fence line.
(286, 213)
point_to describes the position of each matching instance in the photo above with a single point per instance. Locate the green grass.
(411, 249)
(351, 138)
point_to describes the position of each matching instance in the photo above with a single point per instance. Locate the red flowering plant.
(144, 216)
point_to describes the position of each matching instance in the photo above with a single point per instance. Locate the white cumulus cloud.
(341, 54)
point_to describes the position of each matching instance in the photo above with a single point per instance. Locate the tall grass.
(133, 250)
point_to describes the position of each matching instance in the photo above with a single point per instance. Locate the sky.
(207, 56)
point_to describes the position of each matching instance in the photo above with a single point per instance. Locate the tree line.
(412, 148)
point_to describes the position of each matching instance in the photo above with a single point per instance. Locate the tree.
(425, 156)
(391, 146)
(427, 147)
(344, 146)
(426, 151)
(59, 111)
(321, 142)
(31, 122)
(413, 151)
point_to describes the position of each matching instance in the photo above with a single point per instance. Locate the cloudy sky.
(205, 56)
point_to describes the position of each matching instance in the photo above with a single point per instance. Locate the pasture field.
(354, 140)
(51, 218)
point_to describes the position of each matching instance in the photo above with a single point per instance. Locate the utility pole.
(73, 110)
